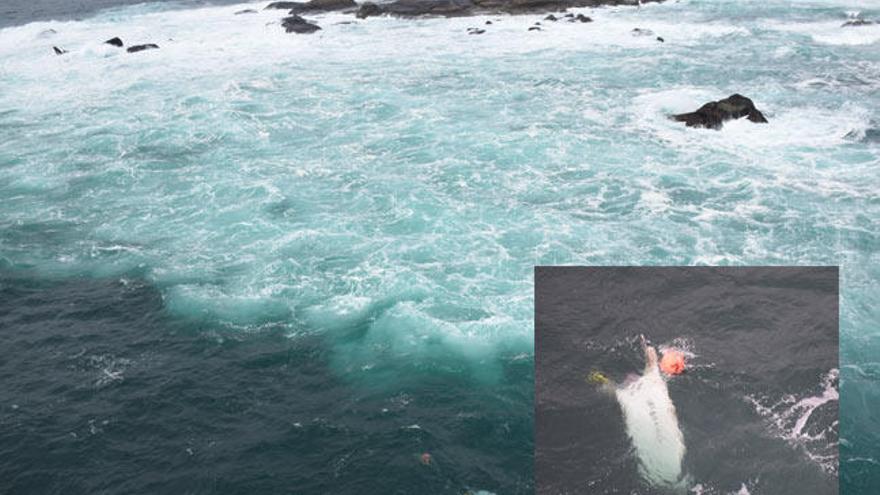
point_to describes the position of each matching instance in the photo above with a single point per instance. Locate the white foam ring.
(795, 420)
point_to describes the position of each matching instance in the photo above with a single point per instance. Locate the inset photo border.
(665, 380)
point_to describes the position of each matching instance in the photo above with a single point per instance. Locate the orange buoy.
(672, 362)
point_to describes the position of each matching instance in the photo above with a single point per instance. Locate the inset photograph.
(678, 380)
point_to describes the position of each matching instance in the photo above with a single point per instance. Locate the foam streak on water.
(391, 183)
(794, 419)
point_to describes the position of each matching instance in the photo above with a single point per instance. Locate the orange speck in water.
(425, 459)
(672, 362)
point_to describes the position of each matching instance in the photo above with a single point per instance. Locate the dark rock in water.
(283, 5)
(368, 9)
(296, 24)
(712, 115)
(642, 32)
(580, 18)
(870, 135)
(322, 6)
(59, 51)
(488, 23)
(551, 17)
(569, 15)
(476, 31)
(417, 8)
(534, 28)
(660, 39)
(246, 11)
(856, 22)
(537, 24)
(115, 42)
(140, 48)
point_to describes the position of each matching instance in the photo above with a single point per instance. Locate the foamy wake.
(805, 422)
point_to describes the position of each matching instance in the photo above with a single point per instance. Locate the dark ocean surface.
(101, 392)
(757, 405)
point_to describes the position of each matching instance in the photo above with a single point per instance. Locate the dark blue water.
(102, 392)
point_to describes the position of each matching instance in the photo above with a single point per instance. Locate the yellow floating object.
(597, 378)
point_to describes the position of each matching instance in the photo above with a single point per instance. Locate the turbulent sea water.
(256, 261)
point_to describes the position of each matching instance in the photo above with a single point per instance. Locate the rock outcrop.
(712, 115)
(417, 8)
(457, 8)
(283, 5)
(115, 42)
(314, 6)
(856, 22)
(140, 48)
(296, 24)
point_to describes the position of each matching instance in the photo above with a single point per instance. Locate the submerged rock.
(115, 42)
(856, 22)
(296, 24)
(551, 17)
(534, 28)
(246, 11)
(473, 30)
(59, 51)
(712, 115)
(580, 18)
(642, 32)
(140, 48)
(660, 39)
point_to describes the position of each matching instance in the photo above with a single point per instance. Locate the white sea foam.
(790, 419)
(788, 127)
(830, 32)
(403, 177)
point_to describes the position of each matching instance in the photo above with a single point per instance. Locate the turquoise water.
(388, 185)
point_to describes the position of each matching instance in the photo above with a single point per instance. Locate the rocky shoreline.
(413, 9)
(445, 8)
(711, 115)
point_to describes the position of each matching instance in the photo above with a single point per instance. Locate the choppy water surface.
(379, 192)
